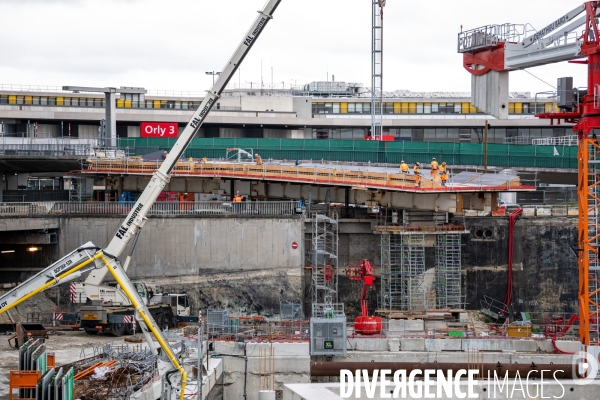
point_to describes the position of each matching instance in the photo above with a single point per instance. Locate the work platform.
(351, 175)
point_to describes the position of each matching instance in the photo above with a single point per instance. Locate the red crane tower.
(497, 49)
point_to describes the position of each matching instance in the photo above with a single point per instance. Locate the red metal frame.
(586, 118)
(364, 271)
(489, 59)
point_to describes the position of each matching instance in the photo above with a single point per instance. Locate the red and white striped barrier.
(58, 316)
(128, 319)
(73, 291)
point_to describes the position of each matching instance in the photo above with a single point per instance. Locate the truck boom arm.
(67, 268)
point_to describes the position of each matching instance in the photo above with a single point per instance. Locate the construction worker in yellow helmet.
(403, 167)
(434, 169)
(443, 173)
(417, 172)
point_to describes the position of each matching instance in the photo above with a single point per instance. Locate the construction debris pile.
(115, 373)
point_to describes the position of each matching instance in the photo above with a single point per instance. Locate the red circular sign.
(294, 245)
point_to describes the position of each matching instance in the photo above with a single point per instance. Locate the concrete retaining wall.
(241, 264)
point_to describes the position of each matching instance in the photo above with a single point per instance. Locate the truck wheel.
(129, 329)
(168, 320)
(117, 329)
(164, 320)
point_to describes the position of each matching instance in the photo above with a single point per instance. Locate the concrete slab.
(404, 325)
(500, 345)
(412, 344)
(443, 344)
(281, 349)
(368, 344)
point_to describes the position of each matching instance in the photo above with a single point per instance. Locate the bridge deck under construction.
(351, 175)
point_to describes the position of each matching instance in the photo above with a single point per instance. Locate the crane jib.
(556, 24)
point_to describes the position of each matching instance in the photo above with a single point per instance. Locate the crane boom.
(107, 259)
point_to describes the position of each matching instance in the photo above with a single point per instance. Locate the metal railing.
(46, 146)
(571, 140)
(266, 208)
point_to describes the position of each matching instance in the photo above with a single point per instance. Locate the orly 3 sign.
(158, 129)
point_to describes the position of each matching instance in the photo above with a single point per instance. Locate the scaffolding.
(405, 282)
(589, 240)
(448, 271)
(324, 259)
(403, 271)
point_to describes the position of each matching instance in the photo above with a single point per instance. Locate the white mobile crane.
(92, 257)
(489, 53)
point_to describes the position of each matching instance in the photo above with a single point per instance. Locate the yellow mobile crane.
(74, 264)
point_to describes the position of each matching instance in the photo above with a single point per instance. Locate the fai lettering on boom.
(123, 230)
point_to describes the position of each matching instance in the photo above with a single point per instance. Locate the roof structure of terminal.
(314, 89)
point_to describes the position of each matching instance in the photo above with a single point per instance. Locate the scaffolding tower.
(324, 261)
(589, 240)
(403, 271)
(448, 271)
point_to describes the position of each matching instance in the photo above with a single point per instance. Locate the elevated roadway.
(341, 182)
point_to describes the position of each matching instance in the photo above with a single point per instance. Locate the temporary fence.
(257, 329)
(500, 155)
(262, 208)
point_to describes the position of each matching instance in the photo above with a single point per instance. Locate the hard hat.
(433, 158)
(418, 163)
(402, 161)
(444, 163)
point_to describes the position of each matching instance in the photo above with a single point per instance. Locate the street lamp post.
(213, 73)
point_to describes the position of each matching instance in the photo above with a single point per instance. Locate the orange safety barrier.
(22, 380)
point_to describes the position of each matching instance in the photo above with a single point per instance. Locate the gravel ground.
(67, 346)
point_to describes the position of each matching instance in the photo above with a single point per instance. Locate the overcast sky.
(159, 44)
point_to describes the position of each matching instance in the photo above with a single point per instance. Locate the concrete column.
(347, 201)
(111, 118)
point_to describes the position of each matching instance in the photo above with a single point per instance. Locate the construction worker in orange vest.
(434, 169)
(258, 159)
(417, 172)
(238, 197)
(443, 173)
(403, 167)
